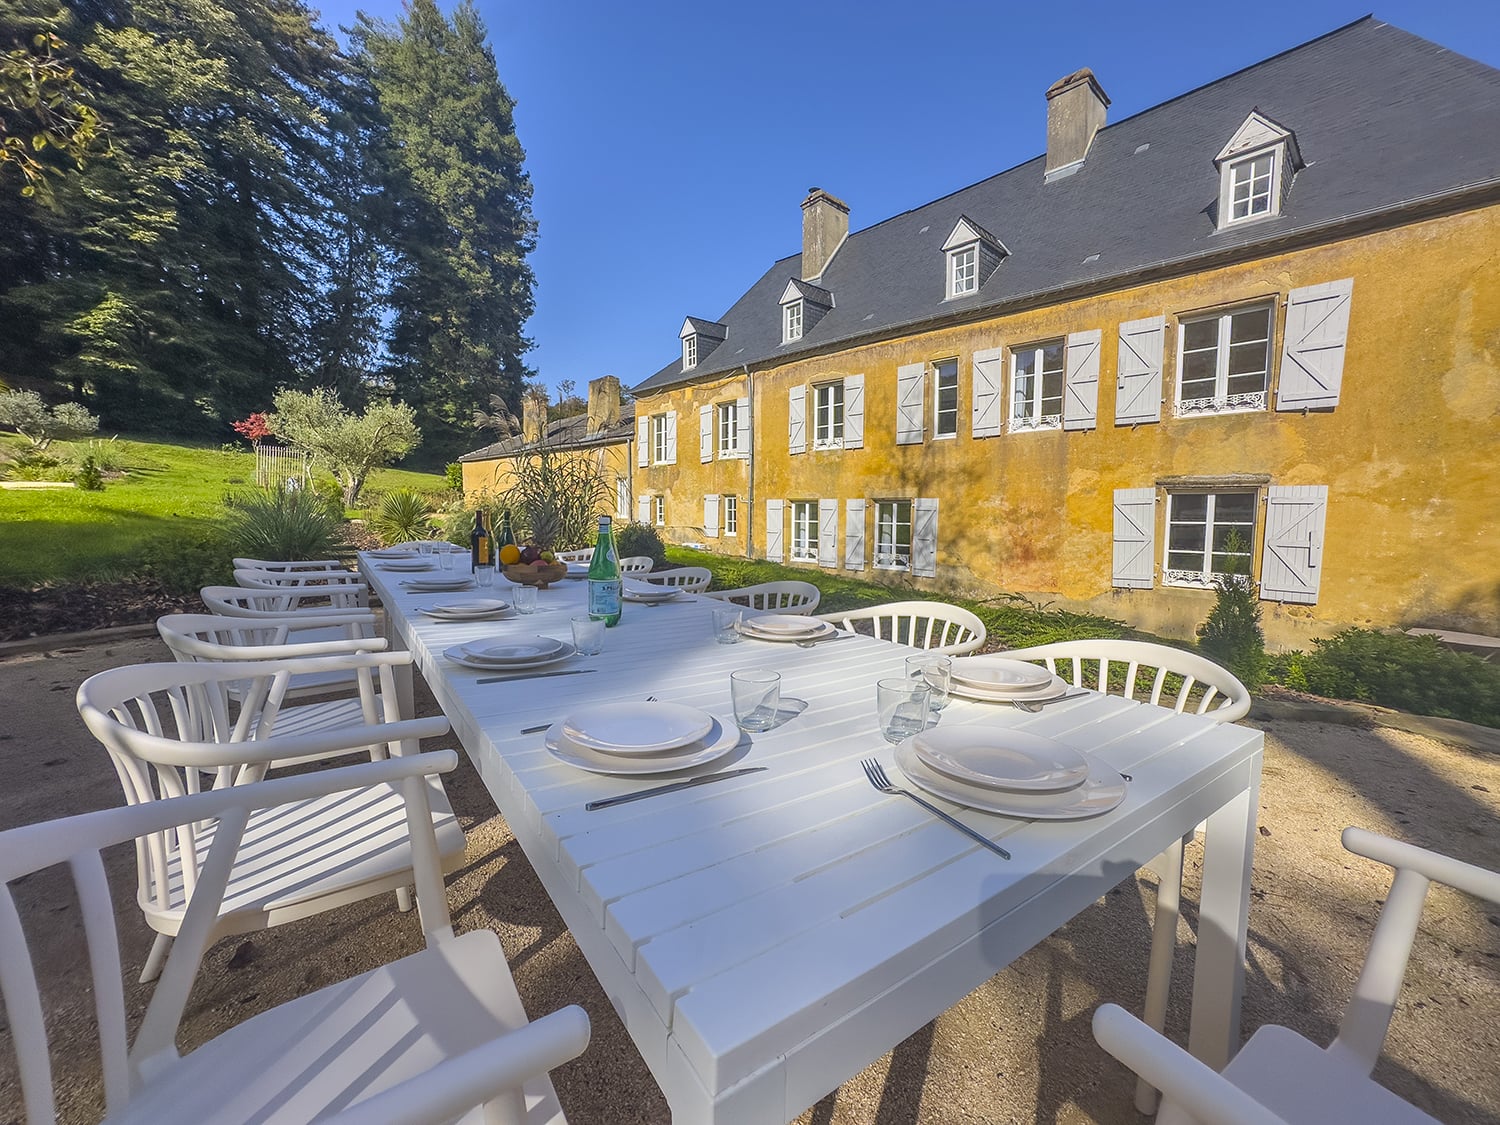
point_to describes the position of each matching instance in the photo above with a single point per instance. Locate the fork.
(877, 778)
(548, 726)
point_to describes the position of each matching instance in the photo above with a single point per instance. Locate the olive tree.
(348, 445)
(28, 415)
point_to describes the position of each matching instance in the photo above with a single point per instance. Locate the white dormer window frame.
(791, 322)
(1255, 170)
(689, 352)
(963, 270)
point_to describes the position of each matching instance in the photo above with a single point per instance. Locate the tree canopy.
(348, 445)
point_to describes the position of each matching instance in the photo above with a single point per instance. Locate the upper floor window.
(945, 398)
(1224, 361)
(972, 254)
(1208, 534)
(728, 428)
(791, 322)
(805, 531)
(689, 352)
(828, 414)
(963, 271)
(893, 535)
(1250, 183)
(731, 515)
(659, 439)
(1036, 386)
(1255, 168)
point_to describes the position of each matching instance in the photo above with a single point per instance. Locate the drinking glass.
(424, 547)
(903, 707)
(756, 694)
(484, 575)
(936, 672)
(727, 624)
(445, 560)
(588, 634)
(525, 599)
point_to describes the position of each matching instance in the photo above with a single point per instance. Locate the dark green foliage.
(453, 473)
(88, 477)
(1232, 634)
(402, 516)
(283, 524)
(187, 560)
(634, 539)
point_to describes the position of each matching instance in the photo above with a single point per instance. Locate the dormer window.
(690, 352)
(699, 339)
(963, 271)
(1255, 170)
(803, 304)
(791, 322)
(973, 253)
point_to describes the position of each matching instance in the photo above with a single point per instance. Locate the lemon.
(510, 554)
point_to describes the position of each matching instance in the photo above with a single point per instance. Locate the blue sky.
(670, 143)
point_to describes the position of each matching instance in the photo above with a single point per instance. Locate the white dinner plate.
(636, 728)
(437, 585)
(823, 629)
(458, 656)
(578, 570)
(999, 674)
(505, 651)
(784, 625)
(467, 609)
(394, 553)
(406, 564)
(997, 758)
(657, 595)
(1100, 792)
(1055, 688)
(723, 736)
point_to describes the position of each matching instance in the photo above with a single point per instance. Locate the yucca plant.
(554, 498)
(401, 516)
(282, 523)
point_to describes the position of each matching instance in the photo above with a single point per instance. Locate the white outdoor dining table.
(767, 937)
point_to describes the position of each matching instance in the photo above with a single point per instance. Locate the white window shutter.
(643, 442)
(854, 412)
(742, 426)
(1081, 385)
(1312, 354)
(705, 433)
(989, 373)
(711, 515)
(828, 533)
(1292, 562)
(1135, 538)
(643, 509)
(924, 519)
(775, 530)
(796, 406)
(854, 535)
(671, 438)
(1138, 371)
(911, 389)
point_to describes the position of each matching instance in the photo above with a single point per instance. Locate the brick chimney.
(1076, 106)
(533, 416)
(825, 222)
(604, 403)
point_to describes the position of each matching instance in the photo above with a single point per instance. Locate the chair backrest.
(210, 636)
(1139, 669)
(691, 579)
(582, 555)
(636, 564)
(285, 565)
(936, 626)
(241, 601)
(78, 842)
(787, 596)
(255, 579)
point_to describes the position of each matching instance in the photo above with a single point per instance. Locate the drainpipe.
(750, 466)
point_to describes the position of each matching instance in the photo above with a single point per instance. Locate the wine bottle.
(481, 547)
(604, 577)
(506, 537)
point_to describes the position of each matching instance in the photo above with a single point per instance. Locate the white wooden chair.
(936, 626)
(239, 601)
(781, 597)
(582, 555)
(344, 586)
(636, 565)
(286, 565)
(427, 1038)
(172, 728)
(689, 579)
(209, 636)
(1280, 1077)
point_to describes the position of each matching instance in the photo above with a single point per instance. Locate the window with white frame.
(804, 531)
(791, 322)
(963, 270)
(622, 498)
(945, 398)
(658, 439)
(1252, 183)
(892, 535)
(728, 427)
(731, 515)
(659, 511)
(1036, 386)
(828, 415)
(1208, 534)
(1224, 361)
(689, 352)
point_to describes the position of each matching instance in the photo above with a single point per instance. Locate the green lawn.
(169, 490)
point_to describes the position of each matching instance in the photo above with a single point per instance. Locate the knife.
(531, 676)
(674, 787)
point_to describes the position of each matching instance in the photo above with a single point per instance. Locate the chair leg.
(403, 899)
(1168, 866)
(156, 958)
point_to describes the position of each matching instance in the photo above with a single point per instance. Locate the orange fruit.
(510, 554)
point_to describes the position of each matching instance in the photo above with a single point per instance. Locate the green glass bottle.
(604, 577)
(506, 537)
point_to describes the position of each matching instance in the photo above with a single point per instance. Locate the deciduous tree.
(346, 444)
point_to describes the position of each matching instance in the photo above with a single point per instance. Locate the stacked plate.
(509, 654)
(647, 592)
(438, 585)
(578, 570)
(640, 738)
(406, 563)
(468, 609)
(785, 627)
(997, 680)
(1011, 772)
(394, 553)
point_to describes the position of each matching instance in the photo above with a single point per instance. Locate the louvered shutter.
(854, 412)
(828, 533)
(989, 373)
(1312, 354)
(924, 516)
(911, 387)
(775, 529)
(643, 442)
(742, 427)
(1138, 371)
(1135, 538)
(1081, 381)
(1292, 561)
(711, 515)
(796, 413)
(854, 535)
(643, 509)
(705, 433)
(671, 438)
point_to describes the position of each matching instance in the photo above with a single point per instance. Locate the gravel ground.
(1016, 1049)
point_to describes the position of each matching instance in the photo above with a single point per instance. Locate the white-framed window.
(658, 439)
(622, 498)
(963, 271)
(892, 535)
(828, 415)
(1252, 186)
(1224, 361)
(945, 398)
(659, 511)
(727, 426)
(791, 321)
(689, 352)
(731, 515)
(804, 531)
(1036, 385)
(1208, 533)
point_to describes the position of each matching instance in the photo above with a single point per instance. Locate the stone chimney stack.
(533, 416)
(825, 222)
(604, 403)
(1076, 106)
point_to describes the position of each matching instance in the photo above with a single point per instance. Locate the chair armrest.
(1466, 877)
(201, 755)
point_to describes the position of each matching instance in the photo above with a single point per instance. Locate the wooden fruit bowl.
(540, 575)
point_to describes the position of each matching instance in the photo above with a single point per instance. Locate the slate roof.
(562, 433)
(1382, 118)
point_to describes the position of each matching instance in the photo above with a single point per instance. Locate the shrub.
(28, 415)
(88, 477)
(456, 525)
(1232, 634)
(111, 456)
(402, 515)
(453, 473)
(327, 490)
(187, 560)
(640, 539)
(283, 523)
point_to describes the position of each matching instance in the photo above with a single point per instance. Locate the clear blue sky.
(670, 143)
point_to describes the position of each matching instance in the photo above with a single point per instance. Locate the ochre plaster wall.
(492, 478)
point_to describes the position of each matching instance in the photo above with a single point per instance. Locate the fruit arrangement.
(531, 565)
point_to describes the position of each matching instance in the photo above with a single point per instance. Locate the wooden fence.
(276, 465)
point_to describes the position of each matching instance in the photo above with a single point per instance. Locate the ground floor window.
(659, 511)
(1208, 534)
(805, 531)
(731, 515)
(622, 498)
(892, 535)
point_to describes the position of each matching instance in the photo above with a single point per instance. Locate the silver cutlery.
(531, 676)
(877, 778)
(1031, 708)
(624, 798)
(826, 640)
